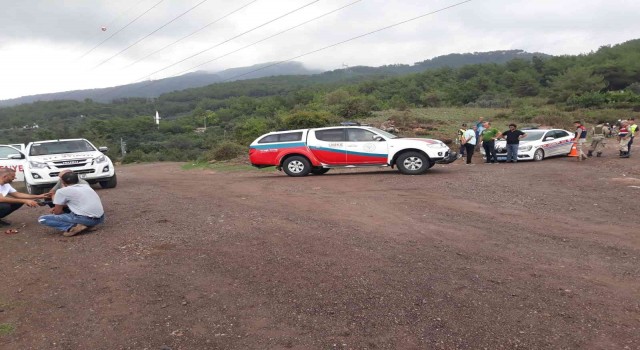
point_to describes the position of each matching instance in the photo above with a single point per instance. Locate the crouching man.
(83, 202)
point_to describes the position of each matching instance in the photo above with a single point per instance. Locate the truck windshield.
(384, 133)
(58, 147)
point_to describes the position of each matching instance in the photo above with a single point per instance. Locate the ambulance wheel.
(319, 171)
(296, 166)
(538, 155)
(413, 163)
(33, 189)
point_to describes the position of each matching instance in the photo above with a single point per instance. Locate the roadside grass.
(6, 329)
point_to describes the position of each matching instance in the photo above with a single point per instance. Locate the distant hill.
(201, 78)
(161, 86)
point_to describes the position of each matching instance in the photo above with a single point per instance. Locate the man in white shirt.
(470, 140)
(10, 199)
(83, 202)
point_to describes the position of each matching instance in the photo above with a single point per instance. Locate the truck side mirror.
(103, 149)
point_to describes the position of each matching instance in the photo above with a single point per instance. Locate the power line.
(111, 22)
(257, 42)
(184, 37)
(226, 41)
(326, 47)
(269, 37)
(121, 29)
(348, 40)
(150, 34)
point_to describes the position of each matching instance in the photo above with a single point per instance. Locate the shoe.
(599, 154)
(75, 230)
(4, 222)
(470, 164)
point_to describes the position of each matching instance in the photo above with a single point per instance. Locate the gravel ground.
(538, 255)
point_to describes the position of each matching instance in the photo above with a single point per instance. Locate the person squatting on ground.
(83, 202)
(513, 136)
(58, 186)
(633, 128)
(469, 143)
(489, 136)
(10, 199)
(580, 138)
(624, 136)
(598, 135)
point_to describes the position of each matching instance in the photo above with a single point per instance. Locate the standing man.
(513, 136)
(633, 128)
(469, 143)
(479, 129)
(598, 134)
(460, 140)
(489, 136)
(579, 139)
(83, 202)
(10, 199)
(624, 136)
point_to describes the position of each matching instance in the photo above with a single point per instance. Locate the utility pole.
(123, 147)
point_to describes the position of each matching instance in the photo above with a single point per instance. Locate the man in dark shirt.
(513, 136)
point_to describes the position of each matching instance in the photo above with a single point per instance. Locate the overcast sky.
(59, 45)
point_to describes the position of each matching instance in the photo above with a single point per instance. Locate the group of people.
(483, 133)
(626, 132)
(74, 206)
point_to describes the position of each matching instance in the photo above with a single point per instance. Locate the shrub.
(228, 150)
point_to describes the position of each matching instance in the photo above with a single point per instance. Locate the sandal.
(11, 231)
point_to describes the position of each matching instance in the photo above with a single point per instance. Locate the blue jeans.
(512, 152)
(64, 222)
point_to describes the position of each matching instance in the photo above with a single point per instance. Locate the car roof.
(48, 141)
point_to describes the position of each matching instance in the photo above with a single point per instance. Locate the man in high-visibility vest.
(598, 134)
(580, 138)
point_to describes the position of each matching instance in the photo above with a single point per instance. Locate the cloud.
(43, 42)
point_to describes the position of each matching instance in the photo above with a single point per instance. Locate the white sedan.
(538, 144)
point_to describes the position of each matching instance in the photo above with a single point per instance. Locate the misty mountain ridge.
(204, 78)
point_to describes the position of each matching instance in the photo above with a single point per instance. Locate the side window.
(290, 136)
(549, 134)
(560, 134)
(269, 139)
(330, 135)
(360, 135)
(6, 151)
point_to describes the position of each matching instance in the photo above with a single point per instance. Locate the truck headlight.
(37, 165)
(525, 148)
(101, 159)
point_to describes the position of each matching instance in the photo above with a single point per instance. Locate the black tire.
(319, 171)
(538, 155)
(33, 189)
(112, 182)
(296, 166)
(413, 163)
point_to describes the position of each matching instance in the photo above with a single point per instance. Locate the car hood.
(414, 140)
(63, 156)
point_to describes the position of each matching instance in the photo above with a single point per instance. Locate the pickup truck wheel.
(296, 166)
(110, 183)
(319, 171)
(32, 189)
(412, 163)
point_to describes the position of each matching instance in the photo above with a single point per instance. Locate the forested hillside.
(602, 84)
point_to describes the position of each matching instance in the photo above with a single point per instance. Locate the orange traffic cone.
(574, 151)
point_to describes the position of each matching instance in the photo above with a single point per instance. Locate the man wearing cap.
(580, 138)
(598, 134)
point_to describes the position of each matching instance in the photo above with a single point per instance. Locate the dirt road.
(531, 255)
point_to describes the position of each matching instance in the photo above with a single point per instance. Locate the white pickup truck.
(42, 161)
(315, 151)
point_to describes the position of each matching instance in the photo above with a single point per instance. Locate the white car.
(538, 144)
(45, 159)
(12, 157)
